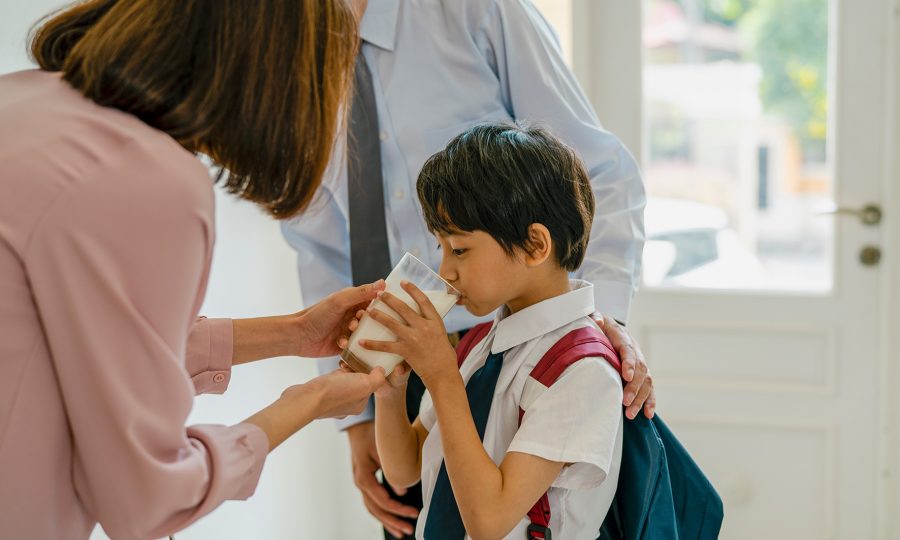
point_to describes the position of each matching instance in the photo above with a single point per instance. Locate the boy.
(512, 210)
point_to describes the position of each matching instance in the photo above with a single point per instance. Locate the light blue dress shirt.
(439, 67)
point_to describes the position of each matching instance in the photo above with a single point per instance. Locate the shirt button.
(383, 136)
(399, 194)
(218, 377)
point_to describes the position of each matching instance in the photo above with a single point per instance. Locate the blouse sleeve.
(210, 351)
(118, 267)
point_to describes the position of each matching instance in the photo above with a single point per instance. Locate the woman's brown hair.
(258, 85)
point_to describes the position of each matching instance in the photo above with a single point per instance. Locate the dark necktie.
(370, 257)
(444, 521)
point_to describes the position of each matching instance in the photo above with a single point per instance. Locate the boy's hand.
(421, 339)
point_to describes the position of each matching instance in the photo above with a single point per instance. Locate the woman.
(106, 232)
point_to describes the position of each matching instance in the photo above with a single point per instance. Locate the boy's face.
(479, 267)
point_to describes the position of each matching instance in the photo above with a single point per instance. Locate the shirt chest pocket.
(437, 139)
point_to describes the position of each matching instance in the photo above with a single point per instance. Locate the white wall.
(306, 489)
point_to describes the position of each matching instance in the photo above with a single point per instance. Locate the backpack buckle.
(538, 532)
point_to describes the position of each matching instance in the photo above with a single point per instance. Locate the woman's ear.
(539, 246)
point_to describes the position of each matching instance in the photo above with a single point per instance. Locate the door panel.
(765, 345)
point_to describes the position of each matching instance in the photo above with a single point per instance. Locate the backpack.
(661, 494)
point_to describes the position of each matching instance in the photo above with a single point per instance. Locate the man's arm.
(538, 87)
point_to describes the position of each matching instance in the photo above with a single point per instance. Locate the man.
(427, 71)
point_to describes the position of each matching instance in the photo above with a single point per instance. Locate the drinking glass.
(411, 269)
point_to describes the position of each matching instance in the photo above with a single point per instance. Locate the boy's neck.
(542, 287)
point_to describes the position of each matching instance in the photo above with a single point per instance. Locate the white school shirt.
(439, 67)
(578, 420)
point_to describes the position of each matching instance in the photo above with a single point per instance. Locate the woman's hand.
(312, 333)
(336, 394)
(421, 339)
(340, 393)
(321, 328)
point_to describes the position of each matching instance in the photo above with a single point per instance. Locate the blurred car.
(691, 244)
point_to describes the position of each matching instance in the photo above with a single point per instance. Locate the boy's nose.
(447, 272)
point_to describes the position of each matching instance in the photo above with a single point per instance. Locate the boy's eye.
(459, 252)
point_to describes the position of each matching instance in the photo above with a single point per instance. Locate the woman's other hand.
(334, 395)
(342, 392)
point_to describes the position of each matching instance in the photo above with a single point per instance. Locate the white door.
(759, 315)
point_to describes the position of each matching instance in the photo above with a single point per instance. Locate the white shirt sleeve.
(538, 87)
(575, 421)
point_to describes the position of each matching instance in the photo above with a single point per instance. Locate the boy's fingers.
(387, 321)
(428, 309)
(406, 313)
(381, 346)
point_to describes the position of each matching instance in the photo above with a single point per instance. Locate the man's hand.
(364, 457)
(639, 388)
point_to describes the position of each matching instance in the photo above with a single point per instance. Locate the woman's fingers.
(428, 309)
(354, 296)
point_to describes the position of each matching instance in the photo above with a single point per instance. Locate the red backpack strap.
(473, 337)
(587, 342)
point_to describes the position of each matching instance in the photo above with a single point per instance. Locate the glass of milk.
(411, 269)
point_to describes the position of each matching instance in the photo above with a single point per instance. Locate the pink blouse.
(106, 233)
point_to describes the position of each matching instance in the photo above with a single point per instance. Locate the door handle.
(869, 214)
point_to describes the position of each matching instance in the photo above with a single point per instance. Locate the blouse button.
(218, 377)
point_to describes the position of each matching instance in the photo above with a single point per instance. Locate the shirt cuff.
(367, 415)
(236, 456)
(210, 352)
(613, 298)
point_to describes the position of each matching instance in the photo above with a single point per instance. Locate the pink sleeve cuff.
(210, 351)
(236, 454)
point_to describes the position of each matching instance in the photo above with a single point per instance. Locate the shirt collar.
(379, 23)
(543, 317)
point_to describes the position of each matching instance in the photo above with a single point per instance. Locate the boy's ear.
(539, 246)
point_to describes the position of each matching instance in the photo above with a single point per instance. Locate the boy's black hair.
(500, 178)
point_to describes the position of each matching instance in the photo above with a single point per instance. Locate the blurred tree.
(789, 40)
(727, 12)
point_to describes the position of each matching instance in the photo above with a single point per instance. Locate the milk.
(363, 360)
